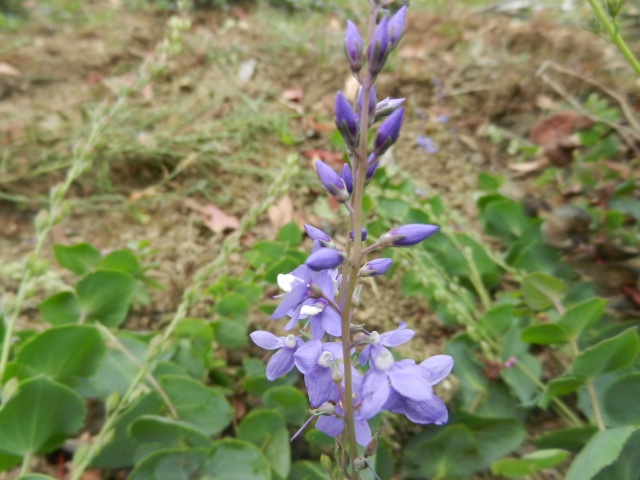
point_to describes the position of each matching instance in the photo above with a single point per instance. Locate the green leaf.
(8, 461)
(232, 305)
(121, 261)
(614, 353)
(627, 466)
(306, 470)
(267, 430)
(153, 433)
(504, 219)
(572, 439)
(540, 291)
(231, 333)
(39, 417)
(583, 315)
(284, 265)
(545, 334)
(236, 459)
(602, 450)
(63, 352)
(560, 386)
(620, 400)
(105, 297)
(36, 476)
(201, 406)
(61, 308)
(289, 401)
(171, 464)
(81, 258)
(528, 464)
(290, 234)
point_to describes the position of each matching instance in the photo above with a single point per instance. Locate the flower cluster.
(319, 297)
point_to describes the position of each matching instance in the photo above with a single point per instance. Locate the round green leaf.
(540, 291)
(231, 333)
(267, 430)
(289, 401)
(63, 352)
(105, 297)
(232, 305)
(572, 439)
(153, 433)
(39, 417)
(171, 464)
(620, 400)
(290, 233)
(80, 258)
(237, 460)
(36, 476)
(528, 464)
(613, 353)
(61, 308)
(283, 265)
(121, 261)
(545, 334)
(581, 316)
(560, 386)
(306, 470)
(201, 406)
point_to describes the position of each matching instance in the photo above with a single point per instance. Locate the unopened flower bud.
(360, 464)
(407, 235)
(386, 107)
(332, 182)
(324, 259)
(379, 48)
(327, 408)
(372, 446)
(375, 267)
(336, 374)
(353, 47)
(325, 463)
(361, 339)
(395, 27)
(355, 298)
(318, 235)
(363, 234)
(347, 178)
(372, 104)
(346, 121)
(372, 165)
(388, 132)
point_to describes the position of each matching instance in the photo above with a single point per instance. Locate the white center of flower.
(286, 281)
(384, 361)
(290, 341)
(311, 310)
(374, 338)
(325, 359)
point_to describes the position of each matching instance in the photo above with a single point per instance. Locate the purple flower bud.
(372, 165)
(372, 104)
(324, 259)
(396, 27)
(375, 267)
(386, 107)
(347, 121)
(363, 234)
(347, 178)
(388, 132)
(407, 235)
(332, 182)
(379, 48)
(353, 47)
(318, 235)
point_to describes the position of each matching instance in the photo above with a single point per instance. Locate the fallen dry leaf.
(556, 135)
(281, 212)
(330, 158)
(528, 167)
(218, 221)
(6, 69)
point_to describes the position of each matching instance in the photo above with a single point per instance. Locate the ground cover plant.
(160, 199)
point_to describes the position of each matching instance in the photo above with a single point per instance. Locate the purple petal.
(291, 300)
(324, 259)
(319, 385)
(306, 357)
(317, 329)
(280, 363)
(325, 283)
(408, 382)
(427, 411)
(317, 234)
(295, 316)
(363, 432)
(335, 348)
(397, 337)
(438, 367)
(330, 425)
(375, 390)
(266, 340)
(364, 355)
(331, 322)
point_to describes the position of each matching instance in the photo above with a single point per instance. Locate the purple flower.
(426, 144)
(346, 121)
(372, 104)
(407, 235)
(322, 317)
(297, 288)
(431, 410)
(375, 267)
(332, 182)
(372, 165)
(282, 361)
(379, 48)
(388, 132)
(347, 177)
(324, 259)
(375, 341)
(315, 360)
(385, 373)
(353, 47)
(387, 106)
(363, 234)
(396, 27)
(319, 236)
